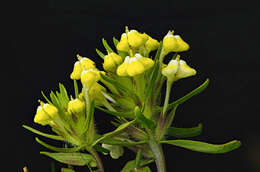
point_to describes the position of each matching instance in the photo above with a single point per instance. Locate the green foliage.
(184, 132)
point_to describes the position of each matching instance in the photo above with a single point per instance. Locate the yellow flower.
(111, 61)
(173, 43)
(95, 93)
(89, 77)
(76, 71)
(123, 44)
(76, 106)
(177, 69)
(133, 66)
(87, 64)
(45, 113)
(136, 39)
(151, 44)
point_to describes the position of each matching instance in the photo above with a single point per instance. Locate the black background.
(43, 38)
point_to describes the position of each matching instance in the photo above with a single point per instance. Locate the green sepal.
(118, 114)
(89, 127)
(100, 53)
(53, 148)
(119, 86)
(130, 165)
(45, 97)
(67, 170)
(115, 132)
(145, 122)
(107, 47)
(174, 56)
(76, 88)
(112, 141)
(158, 52)
(101, 149)
(138, 158)
(77, 159)
(50, 136)
(55, 100)
(64, 93)
(205, 147)
(189, 95)
(115, 41)
(184, 132)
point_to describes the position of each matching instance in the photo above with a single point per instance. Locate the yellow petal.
(147, 62)
(123, 43)
(76, 106)
(170, 70)
(151, 44)
(182, 45)
(184, 70)
(88, 78)
(87, 64)
(170, 43)
(135, 68)
(121, 70)
(135, 39)
(76, 71)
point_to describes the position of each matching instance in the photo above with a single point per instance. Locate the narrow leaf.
(115, 41)
(116, 131)
(190, 94)
(130, 165)
(75, 149)
(64, 93)
(205, 147)
(158, 52)
(45, 97)
(67, 170)
(112, 141)
(107, 47)
(138, 158)
(54, 137)
(119, 114)
(100, 53)
(145, 122)
(185, 132)
(54, 100)
(78, 159)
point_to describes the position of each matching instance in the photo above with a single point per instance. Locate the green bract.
(129, 89)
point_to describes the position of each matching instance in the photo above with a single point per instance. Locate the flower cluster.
(130, 88)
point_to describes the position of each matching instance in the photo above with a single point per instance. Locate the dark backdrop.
(42, 40)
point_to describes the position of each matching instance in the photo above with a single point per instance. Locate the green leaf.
(205, 147)
(145, 122)
(107, 47)
(158, 52)
(76, 88)
(190, 94)
(130, 165)
(138, 158)
(100, 53)
(112, 141)
(116, 131)
(45, 97)
(119, 114)
(78, 159)
(115, 41)
(144, 169)
(152, 81)
(64, 93)
(54, 137)
(67, 170)
(75, 149)
(55, 100)
(185, 132)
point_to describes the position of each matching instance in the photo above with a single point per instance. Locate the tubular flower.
(89, 77)
(123, 44)
(151, 44)
(133, 66)
(174, 43)
(115, 151)
(45, 113)
(111, 61)
(76, 71)
(136, 39)
(177, 69)
(76, 106)
(95, 93)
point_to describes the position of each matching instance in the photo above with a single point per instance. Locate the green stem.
(158, 154)
(97, 158)
(167, 96)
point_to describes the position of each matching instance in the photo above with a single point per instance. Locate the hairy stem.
(97, 158)
(158, 154)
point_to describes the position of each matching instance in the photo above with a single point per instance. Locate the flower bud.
(45, 113)
(89, 77)
(87, 64)
(184, 70)
(111, 61)
(133, 66)
(115, 151)
(123, 44)
(136, 39)
(76, 106)
(76, 71)
(170, 70)
(151, 44)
